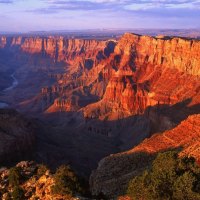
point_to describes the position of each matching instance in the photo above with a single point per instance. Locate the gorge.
(13, 85)
(98, 104)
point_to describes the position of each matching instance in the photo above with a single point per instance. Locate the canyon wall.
(127, 90)
(58, 48)
(128, 75)
(70, 63)
(17, 136)
(148, 71)
(171, 52)
(131, 51)
(115, 171)
(157, 77)
(111, 80)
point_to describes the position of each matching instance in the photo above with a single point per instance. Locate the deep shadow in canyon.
(83, 147)
(71, 89)
(66, 141)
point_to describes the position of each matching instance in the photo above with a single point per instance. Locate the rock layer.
(149, 71)
(126, 75)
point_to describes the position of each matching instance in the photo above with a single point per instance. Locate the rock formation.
(150, 71)
(34, 185)
(126, 75)
(117, 92)
(115, 171)
(17, 136)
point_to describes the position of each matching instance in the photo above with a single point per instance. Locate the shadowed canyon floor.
(91, 98)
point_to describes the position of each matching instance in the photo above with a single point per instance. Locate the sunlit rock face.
(128, 75)
(149, 71)
(108, 79)
(75, 64)
(118, 91)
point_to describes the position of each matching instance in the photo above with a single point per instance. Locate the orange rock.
(166, 67)
(115, 171)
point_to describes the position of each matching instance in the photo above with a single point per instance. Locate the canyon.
(116, 102)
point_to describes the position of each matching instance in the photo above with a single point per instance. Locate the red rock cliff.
(150, 71)
(56, 47)
(128, 75)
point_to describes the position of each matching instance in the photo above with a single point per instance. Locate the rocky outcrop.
(185, 136)
(148, 71)
(176, 53)
(3, 41)
(30, 45)
(17, 136)
(33, 184)
(63, 105)
(115, 171)
(122, 96)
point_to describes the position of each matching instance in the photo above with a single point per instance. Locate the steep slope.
(157, 78)
(17, 136)
(150, 71)
(116, 170)
(186, 135)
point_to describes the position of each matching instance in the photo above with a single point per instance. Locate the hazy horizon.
(68, 15)
(117, 30)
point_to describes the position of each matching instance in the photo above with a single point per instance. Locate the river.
(14, 84)
(3, 105)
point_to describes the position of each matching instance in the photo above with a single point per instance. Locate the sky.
(49, 15)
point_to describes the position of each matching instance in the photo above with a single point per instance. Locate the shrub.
(137, 185)
(18, 193)
(41, 170)
(169, 178)
(14, 176)
(66, 182)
